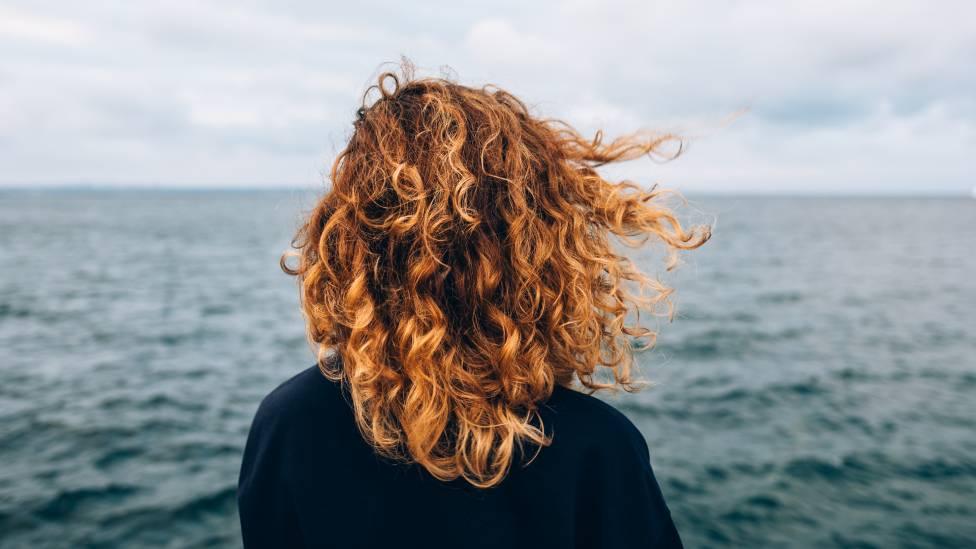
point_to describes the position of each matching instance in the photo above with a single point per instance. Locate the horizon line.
(266, 187)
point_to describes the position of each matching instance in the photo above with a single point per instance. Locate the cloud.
(22, 26)
(497, 41)
(841, 97)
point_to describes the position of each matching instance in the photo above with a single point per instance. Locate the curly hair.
(461, 266)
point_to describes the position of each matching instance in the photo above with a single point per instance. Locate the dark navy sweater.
(308, 479)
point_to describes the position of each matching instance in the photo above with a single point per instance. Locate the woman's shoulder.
(302, 400)
(593, 421)
(305, 387)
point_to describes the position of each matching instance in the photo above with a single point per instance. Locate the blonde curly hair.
(461, 266)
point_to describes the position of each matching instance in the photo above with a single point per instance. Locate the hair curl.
(461, 266)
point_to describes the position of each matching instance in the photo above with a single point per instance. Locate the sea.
(816, 386)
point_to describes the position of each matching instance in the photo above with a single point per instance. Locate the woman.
(458, 281)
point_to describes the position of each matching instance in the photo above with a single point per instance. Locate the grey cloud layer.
(849, 97)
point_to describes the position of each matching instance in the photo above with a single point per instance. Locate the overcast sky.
(853, 97)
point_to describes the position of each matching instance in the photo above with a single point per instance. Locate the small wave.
(166, 401)
(939, 469)
(855, 374)
(847, 469)
(216, 310)
(116, 456)
(779, 297)
(727, 343)
(151, 523)
(712, 381)
(926, 536)
(221, 501)
(742, 515)
(67, 502)
(866, 468)
(771, 394)
(12, 311)
(764, 501)
(736, 470)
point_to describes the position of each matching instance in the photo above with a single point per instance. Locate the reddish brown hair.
(461, 266)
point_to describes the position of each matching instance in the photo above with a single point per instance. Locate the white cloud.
(24, 26)
(853, 96)
(497, 41)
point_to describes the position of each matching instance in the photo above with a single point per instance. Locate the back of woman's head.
(461, 266)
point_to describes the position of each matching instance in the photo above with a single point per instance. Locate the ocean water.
(817, 387)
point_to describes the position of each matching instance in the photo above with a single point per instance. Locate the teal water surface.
(816, 388)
